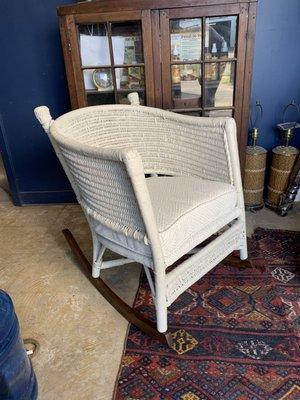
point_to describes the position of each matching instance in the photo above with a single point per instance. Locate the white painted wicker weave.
(106, 152)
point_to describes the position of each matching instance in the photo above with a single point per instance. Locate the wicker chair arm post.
(43, 115)
(235, 173)
(135, 170)
(233, 159)
(136, 173)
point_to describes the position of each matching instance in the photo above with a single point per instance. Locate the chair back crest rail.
(168, 143)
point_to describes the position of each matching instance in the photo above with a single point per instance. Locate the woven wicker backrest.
(95, 145)
(164, 140)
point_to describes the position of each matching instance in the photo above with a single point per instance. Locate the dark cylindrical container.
(17, 379)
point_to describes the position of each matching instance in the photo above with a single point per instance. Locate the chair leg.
(242, 261)
(244, 251)
(98, 251)
(244, 247)
(161, 303)
(162, 317)
(127, 312)
(97, 263)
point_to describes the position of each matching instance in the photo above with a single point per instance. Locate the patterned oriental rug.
(237, 333)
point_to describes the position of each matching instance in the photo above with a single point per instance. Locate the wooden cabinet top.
(122, 5)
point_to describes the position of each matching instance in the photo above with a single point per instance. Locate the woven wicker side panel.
(191, 270)
(106, 192)
(166, 146)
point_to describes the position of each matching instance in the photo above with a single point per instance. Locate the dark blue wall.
(276, 73)
(32, 73)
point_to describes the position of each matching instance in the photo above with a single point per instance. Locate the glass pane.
(94, 48)
(99, 79)
(127, 43)
(131, 78)
(186, 86)
(218, 113)
(219, 84)
(122, 98)
(186, 39)
(95, 98)
(220, 37)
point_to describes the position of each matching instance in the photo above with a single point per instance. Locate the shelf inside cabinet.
(112, 66)
(91, 91)
(95, 91)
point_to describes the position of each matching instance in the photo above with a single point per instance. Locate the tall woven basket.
(254, 177)
(283, 160)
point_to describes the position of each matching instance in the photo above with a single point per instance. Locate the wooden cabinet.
(192, 57)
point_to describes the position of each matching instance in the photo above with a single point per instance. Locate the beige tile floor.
(81, 336)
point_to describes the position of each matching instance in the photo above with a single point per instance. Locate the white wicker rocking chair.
(106, 152)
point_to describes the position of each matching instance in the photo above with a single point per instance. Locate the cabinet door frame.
(70, 43)
(241, 96)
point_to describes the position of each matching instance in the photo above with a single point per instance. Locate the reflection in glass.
(127, 43)
(123, 99)
(193, 113)
(99, 79)
(102, 79)
(186, 39)
(95, 98)
(218, 113)
(130, 78)
(220, 37)
(186, 86)
(219, 84)
(94, 48)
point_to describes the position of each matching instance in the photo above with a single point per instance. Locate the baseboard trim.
(51, 197)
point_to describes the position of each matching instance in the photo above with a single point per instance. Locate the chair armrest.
(43, 115)
(102, 176)
(220, 158)
(196, 146)
(206, 148)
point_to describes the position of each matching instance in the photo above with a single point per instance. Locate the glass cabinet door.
(186, 69)
(199, 64)
(112, 61)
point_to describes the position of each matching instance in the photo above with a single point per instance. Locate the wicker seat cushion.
(187, 210)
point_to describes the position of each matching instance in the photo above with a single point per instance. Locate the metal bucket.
(17, 379)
